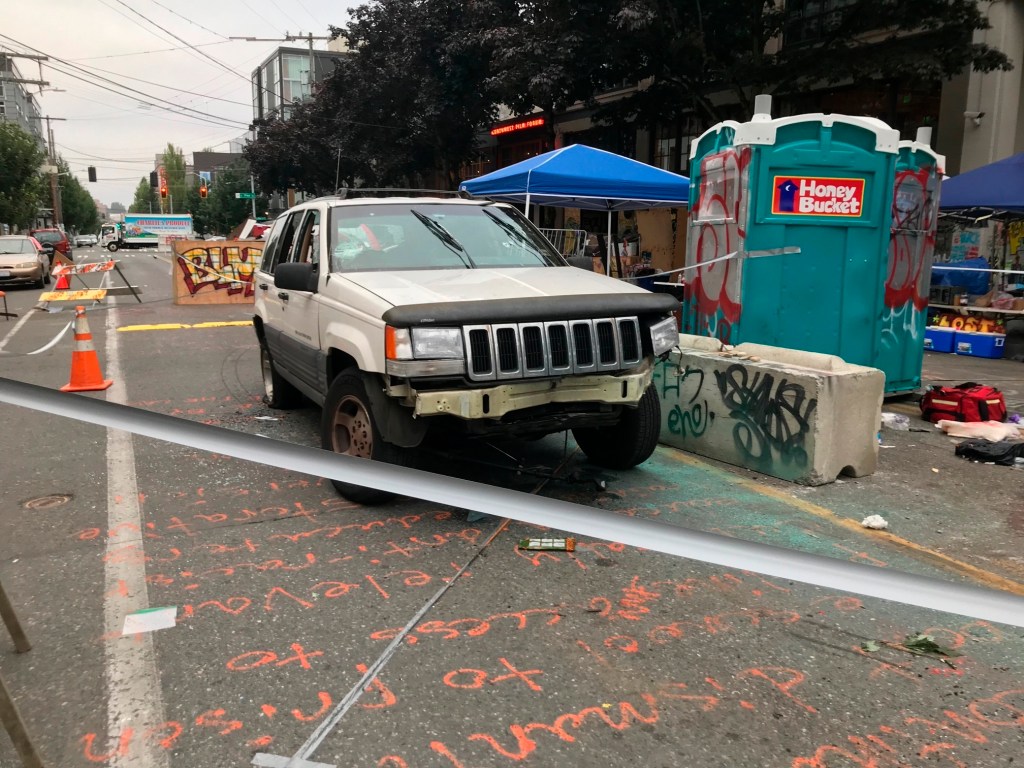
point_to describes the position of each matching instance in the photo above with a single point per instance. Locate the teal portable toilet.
(915, 212)
(789, 232)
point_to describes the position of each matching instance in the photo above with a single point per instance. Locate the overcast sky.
(115, 39)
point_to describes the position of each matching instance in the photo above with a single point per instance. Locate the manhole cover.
(48, 502)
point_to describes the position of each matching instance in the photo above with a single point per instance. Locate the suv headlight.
(664, 335)
(437, 343)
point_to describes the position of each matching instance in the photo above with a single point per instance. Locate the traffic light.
(153, 179)
(92, 173)
(203, 191)
(163, 192)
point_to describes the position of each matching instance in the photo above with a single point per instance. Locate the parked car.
(85, 240)
(55, 238)
(407, 316)
(24, 260)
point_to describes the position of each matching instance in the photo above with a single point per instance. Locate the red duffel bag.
(964, 402)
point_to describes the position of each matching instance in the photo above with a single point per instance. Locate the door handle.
(263, 286)
(282, 296)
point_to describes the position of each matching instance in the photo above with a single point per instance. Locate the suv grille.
(522, 350)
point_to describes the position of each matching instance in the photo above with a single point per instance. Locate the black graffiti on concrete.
(772, 419)
(694, 420)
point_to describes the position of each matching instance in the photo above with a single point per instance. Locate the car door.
(268, 304)
(300, 337)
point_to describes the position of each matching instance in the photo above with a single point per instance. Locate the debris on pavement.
(150, 620)
(870, 646)
(875, 522)
(266, 418)
(925, 645)
(987, 430)
(551, 545)
(896, 421)
(1004, 452)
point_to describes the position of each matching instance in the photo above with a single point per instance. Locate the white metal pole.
(252, 188)
(608, 269)
(527, 204)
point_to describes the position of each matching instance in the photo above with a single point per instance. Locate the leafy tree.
(403, 109)
(175, 172)
(20, 180)
(77, 206)
(549, 53)
(146, 199)
(692, 50)
(221, 211)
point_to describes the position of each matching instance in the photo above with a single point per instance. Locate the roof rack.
(346, 193)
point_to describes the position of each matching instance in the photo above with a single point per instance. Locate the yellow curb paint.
(158, 327)
(979, 575)
(183, 326)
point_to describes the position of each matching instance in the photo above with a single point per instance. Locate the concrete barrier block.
(799, 416)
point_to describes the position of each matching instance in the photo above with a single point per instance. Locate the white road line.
(15, 329)
(134, 697)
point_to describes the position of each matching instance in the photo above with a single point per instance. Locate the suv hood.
(448, 285)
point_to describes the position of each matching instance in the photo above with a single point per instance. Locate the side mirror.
(296, 276)
(48, 249)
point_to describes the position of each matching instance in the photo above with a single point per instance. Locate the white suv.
(402, 316)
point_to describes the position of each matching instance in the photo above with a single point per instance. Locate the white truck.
(400, 316)
(145, 230)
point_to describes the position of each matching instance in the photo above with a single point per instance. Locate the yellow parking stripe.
(979, 575)
(183, 326)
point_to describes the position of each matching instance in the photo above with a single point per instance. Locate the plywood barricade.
(214, 272)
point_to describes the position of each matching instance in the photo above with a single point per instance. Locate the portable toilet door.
(796, 211)
(915, 208)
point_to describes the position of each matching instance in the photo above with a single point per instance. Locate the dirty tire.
(46, 278)
(277, 391)
(628, 443)
(348, 427)
(112, 247)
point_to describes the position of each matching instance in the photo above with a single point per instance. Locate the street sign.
(245, 195)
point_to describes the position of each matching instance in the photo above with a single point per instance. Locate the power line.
(155, 50)
(148, 99)
(168, 87)
(186, 18)
(181, 40)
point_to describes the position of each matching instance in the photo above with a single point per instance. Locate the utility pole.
(309, 38)
(58, 217)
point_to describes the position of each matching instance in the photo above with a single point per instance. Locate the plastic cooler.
(980, 344)
(939, 339)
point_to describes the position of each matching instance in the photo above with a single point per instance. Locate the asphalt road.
(285, 593)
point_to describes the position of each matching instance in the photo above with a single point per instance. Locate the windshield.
(48, 237)
(17, 245)
(434, 236)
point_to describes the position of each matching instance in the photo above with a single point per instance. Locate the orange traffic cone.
(86, 375)
(63, 283)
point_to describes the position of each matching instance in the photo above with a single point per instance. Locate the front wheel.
(278, 392)
(629, 442)
(348, 427)
(112, 247)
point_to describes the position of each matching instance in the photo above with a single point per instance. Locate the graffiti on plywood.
(220, 273)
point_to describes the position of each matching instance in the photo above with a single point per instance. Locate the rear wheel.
(277, 391)
(629, 442)
(348, 427)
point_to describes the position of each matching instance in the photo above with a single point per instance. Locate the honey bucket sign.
(817, 196)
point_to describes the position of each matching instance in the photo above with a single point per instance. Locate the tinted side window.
(271, 243)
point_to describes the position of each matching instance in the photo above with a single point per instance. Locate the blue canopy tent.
(578, 176)
(997, 186)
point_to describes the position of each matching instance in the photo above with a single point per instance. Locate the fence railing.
(568, 242)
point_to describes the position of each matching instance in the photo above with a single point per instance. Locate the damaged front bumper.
(625, 388)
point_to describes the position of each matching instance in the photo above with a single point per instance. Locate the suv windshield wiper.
(445, 237)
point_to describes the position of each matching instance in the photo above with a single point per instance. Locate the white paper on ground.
(150, 620)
